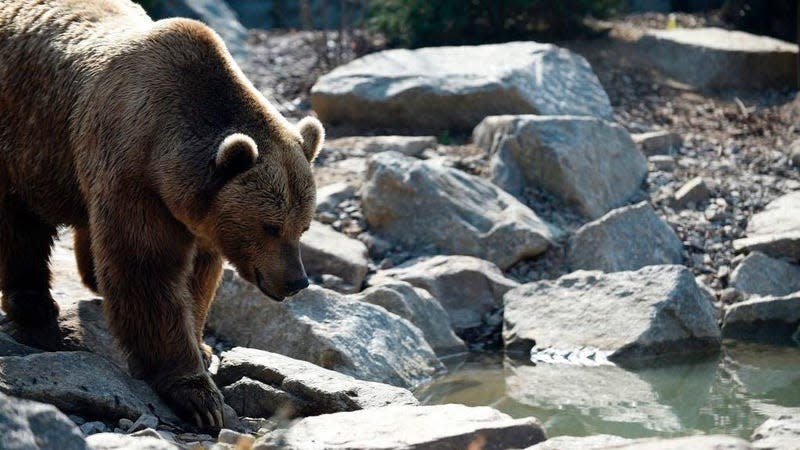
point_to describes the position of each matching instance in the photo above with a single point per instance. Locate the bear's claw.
(195, 397)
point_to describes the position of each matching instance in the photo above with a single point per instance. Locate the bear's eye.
(272, 230)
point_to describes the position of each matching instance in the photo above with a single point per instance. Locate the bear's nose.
(293, 287)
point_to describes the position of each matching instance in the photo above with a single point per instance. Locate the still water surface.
(732, 394)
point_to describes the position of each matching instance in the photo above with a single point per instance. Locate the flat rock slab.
(367, 145)
(776, 230)
(627, 238)
(331, 330)
(468, 288)
(408, 427)
(318, 390)
(420, 204)
(774, 320)
(660, 142)
(31, 425)
(712, 442)
(654, 312)
(778, 434)
(432, 89)
(597, 441)
(116, 441)
(327, 251)
(80, 383)
(420, 308)
(718, 59)
(759, 274)
(583, 161)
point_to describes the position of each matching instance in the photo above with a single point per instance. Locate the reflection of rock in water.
(611, 399)
(755, 382)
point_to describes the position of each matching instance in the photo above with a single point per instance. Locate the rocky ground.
(427, 245)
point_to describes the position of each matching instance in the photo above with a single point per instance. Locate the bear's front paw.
(196, 399)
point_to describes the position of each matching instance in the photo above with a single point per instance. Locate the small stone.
(658, 142)
(144, 421)
(694, 191)
(337, 284)
(794, 153)
(326, 217)
(125, 424)
(662, 163)
(77, 420)
(240, 440)
(93, 427)
(730, 296)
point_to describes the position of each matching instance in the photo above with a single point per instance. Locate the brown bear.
(147, 139)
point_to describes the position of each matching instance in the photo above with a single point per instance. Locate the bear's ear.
(313, 136)
(236, 153)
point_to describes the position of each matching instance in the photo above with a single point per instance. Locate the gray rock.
(408, 427)
(302, 387)
(326, 329)
(214, 13)
(84, 327)
(654, 312)
(658, 142)
(329, 197)
(421, 204)
(367, 145)
(27, 425)
(80, 383)
(761, 275)
(114, 441)
(93, 427)
(662, 163)
(326, 251)
(627, 238)
(468, 288)
(781, 433)
(764, 319)
(794, 153)
(144, 421)
(597, 441)
(431, 89)
(583, 161)
(420, 308)
(252, 398)
(717, 59)
(10, 347)
(711, 442)
(776, 230)
(695, 191)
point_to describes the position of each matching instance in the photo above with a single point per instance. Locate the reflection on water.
(732, 394)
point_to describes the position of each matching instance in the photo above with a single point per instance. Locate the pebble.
(144, 421)
(93, 427)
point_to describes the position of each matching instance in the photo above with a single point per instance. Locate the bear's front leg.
(203, 283)
(143, 262)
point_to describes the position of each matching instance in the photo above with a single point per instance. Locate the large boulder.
(28, 425)
(773, 320)
(468, 288)
(422, 204)
(710, 442)
(80, 383)
(597, 441)
(718, 59)
(759, 274)
(654, 312)
(326, 251)
(627, 238)
(432, 89)
(776, 230)
(325, 328)
(408, 427)
(302, 388)
(587, 162)
(116, 441)
(420, 308)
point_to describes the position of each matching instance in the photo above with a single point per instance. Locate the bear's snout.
(293, 287)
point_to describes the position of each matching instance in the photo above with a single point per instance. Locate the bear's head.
(266, 203)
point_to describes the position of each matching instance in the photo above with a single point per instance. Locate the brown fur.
(115, 125)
